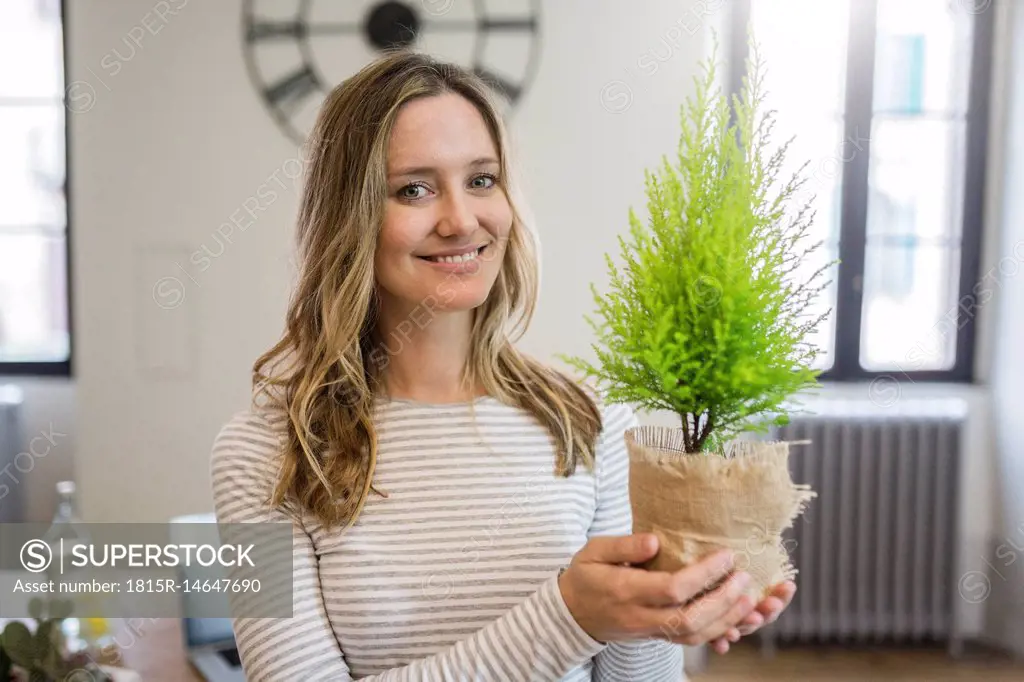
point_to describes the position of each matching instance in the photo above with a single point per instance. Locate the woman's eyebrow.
(430, 170)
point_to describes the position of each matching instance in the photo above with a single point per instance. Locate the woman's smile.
(459, 260)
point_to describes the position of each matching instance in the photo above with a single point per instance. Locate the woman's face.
(447, 218)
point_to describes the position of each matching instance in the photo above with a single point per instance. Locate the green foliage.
(706, 316)
(41, 655)
(5, 665)
(19, 644)
(38, 654)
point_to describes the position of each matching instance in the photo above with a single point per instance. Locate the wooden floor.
(744, 663)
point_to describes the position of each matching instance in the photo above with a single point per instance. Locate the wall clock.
(297, 50)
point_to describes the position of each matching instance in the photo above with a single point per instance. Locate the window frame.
(57, 368)
(858, 115)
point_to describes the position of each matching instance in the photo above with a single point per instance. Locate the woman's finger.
(770, 607)
(721, 627)
(784, 592)
(754, 618)
(751, 623)
(696, 578)
(779, 598)
(717, 606)
(660, 589)
(686, 624)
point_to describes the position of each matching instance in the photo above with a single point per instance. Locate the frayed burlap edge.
(742, 499)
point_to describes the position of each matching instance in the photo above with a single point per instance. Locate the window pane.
(910, 306)
(808, 97)
(923, 57)
(789, 32)
(30, 49)
(916, 180)
(32, 166)
(914, 228)
(33, 294)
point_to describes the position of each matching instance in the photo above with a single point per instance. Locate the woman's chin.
(462, 300)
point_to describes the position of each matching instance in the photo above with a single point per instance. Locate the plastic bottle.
(64, 534)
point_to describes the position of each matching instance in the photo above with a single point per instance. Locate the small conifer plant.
(709, 317)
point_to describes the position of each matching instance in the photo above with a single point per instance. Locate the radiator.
(876, 551)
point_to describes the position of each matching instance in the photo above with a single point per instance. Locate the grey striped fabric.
(453, 575)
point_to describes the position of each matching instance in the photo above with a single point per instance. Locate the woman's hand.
(612, 601)
(764, 613)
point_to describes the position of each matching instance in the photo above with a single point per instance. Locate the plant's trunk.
(687, 439)
(705, 432)
(694, 435)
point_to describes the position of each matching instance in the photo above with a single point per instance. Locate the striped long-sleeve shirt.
(452, 576)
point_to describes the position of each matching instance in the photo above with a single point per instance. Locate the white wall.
(171, 144)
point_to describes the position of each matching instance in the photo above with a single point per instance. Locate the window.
(888, 102)
(34, 291)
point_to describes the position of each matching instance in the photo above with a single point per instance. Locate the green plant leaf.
(53, 665)
(5, 664)
(19, 644)
(709, 310)
(49, 638)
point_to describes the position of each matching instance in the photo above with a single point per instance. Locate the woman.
(436, 478)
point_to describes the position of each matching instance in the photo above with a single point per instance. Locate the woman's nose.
(457, 217)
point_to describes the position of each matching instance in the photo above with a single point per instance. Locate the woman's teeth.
(472, 255)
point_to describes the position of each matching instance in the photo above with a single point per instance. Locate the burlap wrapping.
(699, 503)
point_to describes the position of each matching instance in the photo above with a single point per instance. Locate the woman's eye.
(484, 181)
(412, 192)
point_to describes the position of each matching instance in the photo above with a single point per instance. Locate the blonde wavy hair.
(325, 372)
